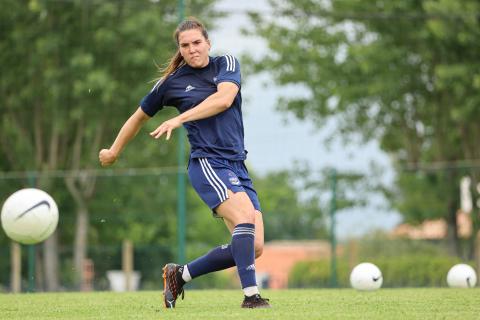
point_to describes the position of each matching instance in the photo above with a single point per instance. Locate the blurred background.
(361, 119)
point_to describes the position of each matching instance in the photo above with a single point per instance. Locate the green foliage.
(408, 270)
(380, 245)
(286, 215)
(73, 72)
(316, 274)
(408, 262)
(402, 72)
(421, 196)
(403, 262)
(415, 270)
(84, 67)
(4, 267)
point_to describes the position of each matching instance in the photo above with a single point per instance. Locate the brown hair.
(177, 60)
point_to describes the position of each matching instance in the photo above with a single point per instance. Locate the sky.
(276, 140)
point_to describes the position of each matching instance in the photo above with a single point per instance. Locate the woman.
(206, 91)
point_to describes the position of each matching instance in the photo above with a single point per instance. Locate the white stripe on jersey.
(243, 229)
(240, 230)
(215, 174)
(214, 185)
(214, 180)
(240, 233)
(159, 82)
(230, 62)
(233, 63)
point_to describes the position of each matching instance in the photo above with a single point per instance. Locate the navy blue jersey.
(221, 135)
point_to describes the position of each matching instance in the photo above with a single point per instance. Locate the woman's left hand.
(166, 127)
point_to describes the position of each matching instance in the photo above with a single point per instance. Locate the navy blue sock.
(243, 250)
(216, 259)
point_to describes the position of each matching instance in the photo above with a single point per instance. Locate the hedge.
(401, 271)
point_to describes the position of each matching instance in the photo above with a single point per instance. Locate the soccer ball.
(366, 277)
(461, 276)
(29, 216)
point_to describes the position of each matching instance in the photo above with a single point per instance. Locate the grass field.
(225, 304)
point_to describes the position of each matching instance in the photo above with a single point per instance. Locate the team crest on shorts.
(233, 179)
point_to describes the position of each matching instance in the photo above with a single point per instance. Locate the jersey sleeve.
(229, 70)
(154, 100)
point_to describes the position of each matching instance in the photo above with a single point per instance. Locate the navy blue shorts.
(212, 177)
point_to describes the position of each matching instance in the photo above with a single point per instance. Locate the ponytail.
(175, 62)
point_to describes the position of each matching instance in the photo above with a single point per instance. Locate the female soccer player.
(206, 92)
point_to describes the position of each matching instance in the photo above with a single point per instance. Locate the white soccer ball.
(29, 216)
(366, 277)
(461, 276)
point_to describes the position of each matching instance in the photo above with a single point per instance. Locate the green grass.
(432, 303)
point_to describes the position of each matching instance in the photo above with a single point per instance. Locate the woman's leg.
(239, 212)
(214, 181)
(241, 218)
(221, 257)
(259, 232)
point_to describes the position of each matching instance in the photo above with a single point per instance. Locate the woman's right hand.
(107, 157)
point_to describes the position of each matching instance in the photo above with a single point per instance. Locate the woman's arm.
(127, 132)
(212, 105)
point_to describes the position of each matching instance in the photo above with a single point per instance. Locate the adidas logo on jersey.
(251, 267)
(189, 88)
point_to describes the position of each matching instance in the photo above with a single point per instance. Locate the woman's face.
(194, 48)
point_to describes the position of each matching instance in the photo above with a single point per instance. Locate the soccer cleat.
(255, 301)
(172, 284)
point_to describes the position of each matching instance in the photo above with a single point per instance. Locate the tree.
(288, 213)
(75, 71)
(403, 72)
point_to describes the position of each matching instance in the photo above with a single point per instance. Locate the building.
(279, 257)
(434, 229)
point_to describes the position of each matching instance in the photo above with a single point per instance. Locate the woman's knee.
(237, 209)
(250, 216)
